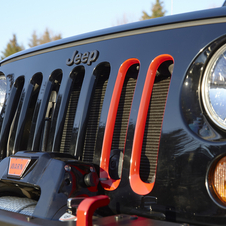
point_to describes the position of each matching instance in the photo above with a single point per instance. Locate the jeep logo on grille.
(85, 58)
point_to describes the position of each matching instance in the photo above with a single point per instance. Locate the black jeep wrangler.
(124, 126)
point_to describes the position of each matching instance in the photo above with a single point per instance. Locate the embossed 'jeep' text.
(85, 58)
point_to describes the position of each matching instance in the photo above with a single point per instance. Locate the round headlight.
(214, 88)
(3, 86)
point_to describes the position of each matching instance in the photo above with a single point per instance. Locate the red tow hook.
(87, 208)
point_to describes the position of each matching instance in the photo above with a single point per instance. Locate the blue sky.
(72, 17)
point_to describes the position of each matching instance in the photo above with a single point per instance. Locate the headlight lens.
(214, 88)
(3, 86)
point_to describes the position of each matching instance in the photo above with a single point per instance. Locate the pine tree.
(157, 11)
(34, 40)
(45, 38)
(12, 47)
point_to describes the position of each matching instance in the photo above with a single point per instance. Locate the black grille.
(89, 139)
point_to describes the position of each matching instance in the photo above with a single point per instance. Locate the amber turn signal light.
(217, 181)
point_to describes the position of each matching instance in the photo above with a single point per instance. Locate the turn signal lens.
(219, 179)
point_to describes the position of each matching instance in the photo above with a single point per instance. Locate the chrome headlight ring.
(213, 88)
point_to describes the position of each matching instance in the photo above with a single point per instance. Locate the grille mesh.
(122, 117)
(69, 119)
(153, 130)
(93, 121)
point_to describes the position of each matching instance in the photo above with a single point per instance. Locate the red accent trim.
(87, 208)
(137, 185)
(109, 183)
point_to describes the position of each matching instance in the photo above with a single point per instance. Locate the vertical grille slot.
(156, 70)
(10, 113)
(102, 73)
(128, 69)
(71, 110)
(23, 126)
(154, 123)
(43, 113)
(30, 111)
(122, 117)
